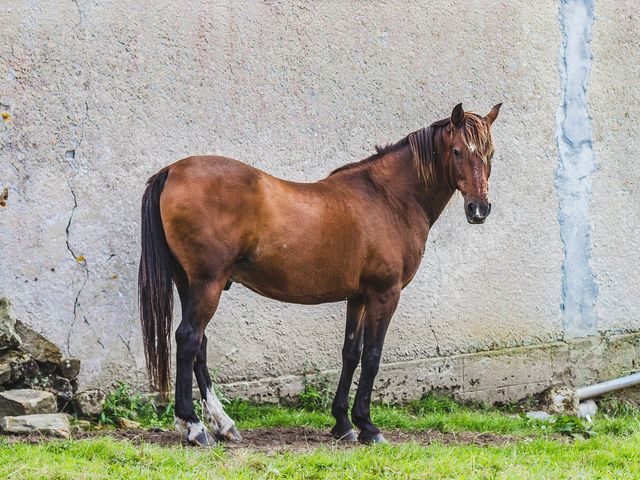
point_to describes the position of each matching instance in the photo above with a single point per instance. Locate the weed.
(613, 405)
(572, 426)
(530, 402)
(569, 425)
(317, 391)
(433, 403)
(123, 403)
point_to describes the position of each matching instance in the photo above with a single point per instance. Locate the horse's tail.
(155, 288)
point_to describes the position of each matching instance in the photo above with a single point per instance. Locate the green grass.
(599, 457)
(540, 450)
(422, 415)
(433, 411)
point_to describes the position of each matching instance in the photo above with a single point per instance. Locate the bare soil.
(286, 438)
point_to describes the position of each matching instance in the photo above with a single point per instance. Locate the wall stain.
(576, 164)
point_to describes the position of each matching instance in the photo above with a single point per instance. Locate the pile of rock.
(28, 411)
(36, 382)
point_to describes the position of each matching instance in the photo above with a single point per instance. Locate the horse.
(357, 235)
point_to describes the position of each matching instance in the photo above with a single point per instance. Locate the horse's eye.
(456, 152)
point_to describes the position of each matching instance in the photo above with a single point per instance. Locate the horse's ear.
(457, 116)
(493, 114)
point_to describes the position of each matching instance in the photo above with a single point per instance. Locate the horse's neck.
(398, 176)
(436, 198)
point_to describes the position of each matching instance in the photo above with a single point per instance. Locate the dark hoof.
(232, 435)
(347, 437)
(203, 439)
(369, 439)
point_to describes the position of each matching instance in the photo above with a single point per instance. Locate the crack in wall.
(80, 260)
(435, 337)
(71, 153)
(128, 347)
(575, 166)
(72, 160)
(436, 292)
(79, 12)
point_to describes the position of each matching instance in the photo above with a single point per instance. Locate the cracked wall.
(100, 96)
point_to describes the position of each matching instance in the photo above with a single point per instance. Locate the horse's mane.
(476, 134)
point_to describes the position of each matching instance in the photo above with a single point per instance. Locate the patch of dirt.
(288, 438)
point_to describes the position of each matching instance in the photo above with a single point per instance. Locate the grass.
(436, 412)
(599, 457)
(610, 447)
(421, 415)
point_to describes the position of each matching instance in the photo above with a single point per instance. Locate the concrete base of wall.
(497, 376)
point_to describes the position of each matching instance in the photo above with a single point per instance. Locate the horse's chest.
(411, 264)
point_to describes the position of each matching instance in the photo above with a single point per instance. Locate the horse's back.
(213, 171)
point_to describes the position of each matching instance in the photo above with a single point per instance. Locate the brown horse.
(357, 235)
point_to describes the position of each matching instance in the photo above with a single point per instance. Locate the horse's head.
(469, 151)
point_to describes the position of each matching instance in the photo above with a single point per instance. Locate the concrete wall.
(102, 94)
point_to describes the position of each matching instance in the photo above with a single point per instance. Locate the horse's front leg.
(351, 352)
(379, 309)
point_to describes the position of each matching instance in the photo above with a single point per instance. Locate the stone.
(5, 372)
(26, 402)
(69, 368)
(62, 389)
(9, 338)
(18, 364)
(561, 400)
(55, 424)
(42, 350)
(127, 424)
(79, 426)
(57, 385)
(88, 404)
(587, 409)
(539, 415)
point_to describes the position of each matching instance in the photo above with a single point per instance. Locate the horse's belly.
(307, 283)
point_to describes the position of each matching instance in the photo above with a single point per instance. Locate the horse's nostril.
(472, 208)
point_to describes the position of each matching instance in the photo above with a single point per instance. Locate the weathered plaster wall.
(614, 98)
(101, 95)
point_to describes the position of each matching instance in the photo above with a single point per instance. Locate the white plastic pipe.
(608, 386)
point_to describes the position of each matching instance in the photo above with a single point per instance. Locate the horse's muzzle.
(477, 212)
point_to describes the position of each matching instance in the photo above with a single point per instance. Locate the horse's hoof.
(376, 438)
(232, 435)
(348, 437)
(203, 439)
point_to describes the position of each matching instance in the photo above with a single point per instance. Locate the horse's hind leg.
(204, 384)
(220, 424)
(351, 351)
(201, 303)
